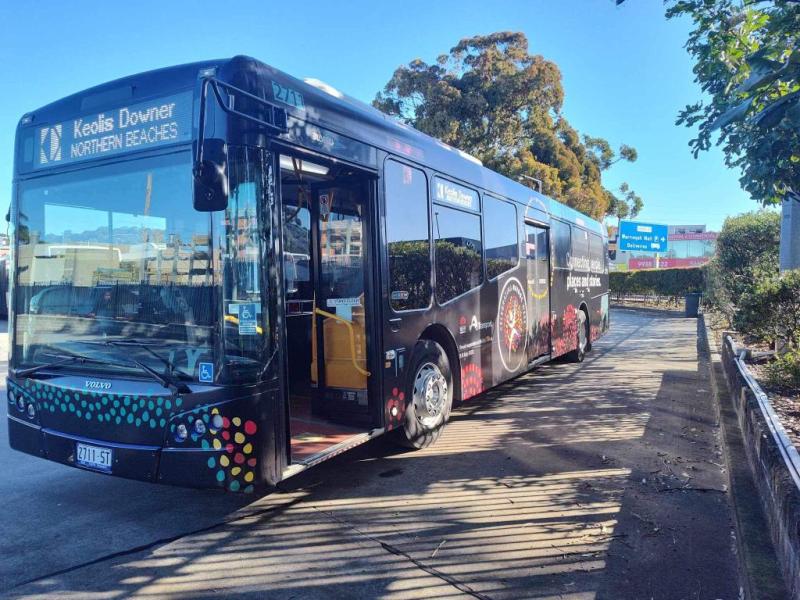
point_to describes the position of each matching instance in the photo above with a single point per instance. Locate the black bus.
(223, 275)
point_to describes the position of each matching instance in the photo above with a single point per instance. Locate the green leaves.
(493, 99)
(748, 62)
(659, 282)
(746, 254)
(626, 207)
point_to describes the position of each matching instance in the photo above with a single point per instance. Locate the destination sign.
(452, 193)
(138, 126)
(642, 237)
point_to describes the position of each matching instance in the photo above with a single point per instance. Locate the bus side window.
(563, 245)
(500, 227)
(580, 250)
(459, 256)
(407, 237)
(596, 254)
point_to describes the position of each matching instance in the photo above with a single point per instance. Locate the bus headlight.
(12, 400)
(20, 403)
(31, 411)
(181, 433)
(199, 427)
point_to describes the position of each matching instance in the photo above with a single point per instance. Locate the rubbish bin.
(692, 304)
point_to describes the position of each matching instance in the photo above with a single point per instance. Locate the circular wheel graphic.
(512, 325)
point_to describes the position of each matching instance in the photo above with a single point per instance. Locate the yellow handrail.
(319, 311)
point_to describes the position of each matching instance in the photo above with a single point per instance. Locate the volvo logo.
(50, 144)
(92, 384)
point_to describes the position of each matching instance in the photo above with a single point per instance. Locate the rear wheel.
(430, 394)
(579, 353)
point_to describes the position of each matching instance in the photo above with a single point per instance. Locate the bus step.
(330, 452)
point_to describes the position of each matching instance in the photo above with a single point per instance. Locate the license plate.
(94, 457)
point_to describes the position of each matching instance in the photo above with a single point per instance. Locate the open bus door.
(327, 239)
(537, 257)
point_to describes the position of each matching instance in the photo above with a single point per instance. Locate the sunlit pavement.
(600, 480)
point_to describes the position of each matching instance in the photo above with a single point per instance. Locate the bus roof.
(314, 102)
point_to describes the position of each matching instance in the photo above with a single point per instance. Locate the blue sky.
(625, 71)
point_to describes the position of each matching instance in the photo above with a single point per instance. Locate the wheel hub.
(430, 391)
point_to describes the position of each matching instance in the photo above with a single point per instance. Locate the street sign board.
(642, 237)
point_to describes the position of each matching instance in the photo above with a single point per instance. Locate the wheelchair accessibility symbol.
(248, 319)
(206, 372)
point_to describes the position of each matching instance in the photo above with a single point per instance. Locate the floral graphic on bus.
(471, 381)
(512, 325)
(539, 342)
(565, 331)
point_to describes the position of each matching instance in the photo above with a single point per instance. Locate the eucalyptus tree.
(490, 97)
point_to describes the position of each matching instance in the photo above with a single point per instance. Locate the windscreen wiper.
(169, 376)
(67, 358)
(167, 379)
(146, 346)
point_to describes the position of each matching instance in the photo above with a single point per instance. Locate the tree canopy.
(493, 99)
(747, 56)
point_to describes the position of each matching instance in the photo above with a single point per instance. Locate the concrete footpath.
(600, 480)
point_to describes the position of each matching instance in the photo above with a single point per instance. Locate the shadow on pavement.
(534, 490)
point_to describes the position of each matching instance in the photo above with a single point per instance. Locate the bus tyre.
(579, 353)
(430, 395)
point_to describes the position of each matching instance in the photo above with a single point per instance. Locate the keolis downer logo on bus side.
(166, 120)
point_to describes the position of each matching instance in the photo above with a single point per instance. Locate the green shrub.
(770, 309)
(784, 371)
(747, 251)
(660, 282)
(714, 292)
(743, 283)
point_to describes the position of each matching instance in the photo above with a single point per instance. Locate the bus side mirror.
(210, 177)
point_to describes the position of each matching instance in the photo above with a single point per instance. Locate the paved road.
(600, 480)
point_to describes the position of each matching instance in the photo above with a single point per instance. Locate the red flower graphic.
(471, 381)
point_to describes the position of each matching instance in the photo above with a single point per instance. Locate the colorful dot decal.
(396, 408)
(232, 437)
(229, 439)
(94, 406)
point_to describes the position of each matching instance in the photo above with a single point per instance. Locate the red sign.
(635, 264)
(704, 235)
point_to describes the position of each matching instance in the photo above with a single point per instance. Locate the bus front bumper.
(171, 466)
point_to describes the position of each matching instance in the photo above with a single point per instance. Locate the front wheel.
(579, 353)
(430, 394)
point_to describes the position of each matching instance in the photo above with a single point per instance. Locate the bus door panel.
(537, 258)
(339, 332)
